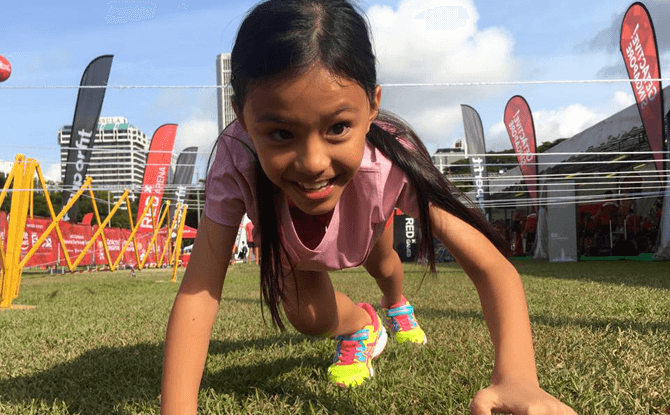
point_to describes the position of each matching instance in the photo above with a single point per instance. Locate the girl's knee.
(313, 322)
(384, 267)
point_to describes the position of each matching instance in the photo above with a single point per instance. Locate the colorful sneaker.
(401, 322)
(354, 353)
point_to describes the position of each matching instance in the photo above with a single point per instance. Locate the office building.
(118, 157)
(226, 115)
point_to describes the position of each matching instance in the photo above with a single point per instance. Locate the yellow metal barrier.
(21, 177)
(173, 228)
(52, 212)
(54, 224)
(132, 234)
(177, 245)
(3, 194)
(157, 227)
(100, 231)
(17, 218)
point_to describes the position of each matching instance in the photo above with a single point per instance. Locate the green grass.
(93, 345)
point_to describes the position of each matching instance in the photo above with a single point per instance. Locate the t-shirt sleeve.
(400, 193)
(407, 200)
(224, 195)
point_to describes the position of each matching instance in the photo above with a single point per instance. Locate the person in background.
(252, 243)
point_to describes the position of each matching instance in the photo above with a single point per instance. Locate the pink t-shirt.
(358, 220)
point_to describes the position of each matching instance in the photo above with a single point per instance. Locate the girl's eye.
(281, 135)
(339, 129)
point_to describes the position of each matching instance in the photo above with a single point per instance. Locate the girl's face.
(309, 133)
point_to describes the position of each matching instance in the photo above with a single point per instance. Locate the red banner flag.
(114, 240)
(76, 237)
(87, 219)
(156, 173)
(47, 253)
(129, 255)
(521, 130)
(640, 53)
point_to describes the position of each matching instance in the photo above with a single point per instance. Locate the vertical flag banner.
(474, 137)
(519, 123)
(183, 175)
(405, 236)
(156, 173)
(640, 54)
(84, 127)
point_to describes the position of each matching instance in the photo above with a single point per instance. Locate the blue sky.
(174, 43)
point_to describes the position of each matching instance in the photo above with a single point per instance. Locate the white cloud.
(549, 125)
(622, 100)
(52, 172)
(197, 132)
(437, 41)
(497, 138)
(6, 166)
(434, 121)
(564, 122)
(195, 114)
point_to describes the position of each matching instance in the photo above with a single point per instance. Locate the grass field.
(93, 345)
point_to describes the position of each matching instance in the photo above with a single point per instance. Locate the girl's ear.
(239, 115)
(375, 103)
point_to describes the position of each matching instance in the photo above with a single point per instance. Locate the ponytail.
(430, 184)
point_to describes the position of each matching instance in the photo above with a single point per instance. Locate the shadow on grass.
(600, 323)
(104, 380)
(592, 323)
(95, 382)
(630, 273)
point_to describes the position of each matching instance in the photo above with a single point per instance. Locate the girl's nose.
(312, 158)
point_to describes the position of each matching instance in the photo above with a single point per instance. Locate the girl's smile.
(316, 191)
(309, 132)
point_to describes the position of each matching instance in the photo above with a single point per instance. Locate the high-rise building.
(118, 157)
(226, 115)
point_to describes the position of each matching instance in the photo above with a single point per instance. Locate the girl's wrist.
(527, 377)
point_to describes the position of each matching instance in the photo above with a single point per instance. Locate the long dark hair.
(281, 39)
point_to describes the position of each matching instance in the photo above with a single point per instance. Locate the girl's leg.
(384, 265)
(314, 307)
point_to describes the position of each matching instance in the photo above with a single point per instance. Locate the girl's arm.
(515, 386)
(192, 317)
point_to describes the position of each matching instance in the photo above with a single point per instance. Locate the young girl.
(319, 172)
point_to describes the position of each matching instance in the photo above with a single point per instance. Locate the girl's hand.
(517, 399)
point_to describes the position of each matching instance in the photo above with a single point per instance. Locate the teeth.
(314, 186)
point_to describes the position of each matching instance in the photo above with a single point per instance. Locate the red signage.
(76, 237)
(638, 47)
(156, 173)
(114, 240)
(519, 123)
(47, 253)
